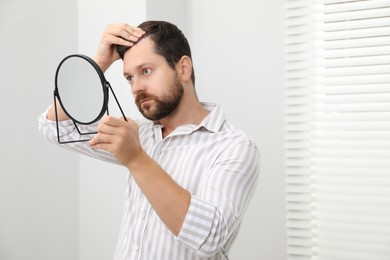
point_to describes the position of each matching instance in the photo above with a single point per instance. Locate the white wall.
(38, 181)
(174, 11)
(237, 49)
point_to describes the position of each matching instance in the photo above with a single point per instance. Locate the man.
(191, 173)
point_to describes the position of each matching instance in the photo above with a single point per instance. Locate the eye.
(147, 71)
(130, 79)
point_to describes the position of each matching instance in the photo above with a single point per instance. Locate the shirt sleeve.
(67, 131)
(215, 212)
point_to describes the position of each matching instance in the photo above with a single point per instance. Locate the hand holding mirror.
(82, 91)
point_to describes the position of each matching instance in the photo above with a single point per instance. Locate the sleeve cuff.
(197, 224)
(66, 127)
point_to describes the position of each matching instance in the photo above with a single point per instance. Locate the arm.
(168, 199)
(105, 56)
(206, 221)
(51, 115)
(120, 138)
(116, 34)
(216, 210)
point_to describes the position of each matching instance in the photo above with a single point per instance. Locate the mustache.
(143, 95)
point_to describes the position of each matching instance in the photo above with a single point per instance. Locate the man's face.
(155, 85)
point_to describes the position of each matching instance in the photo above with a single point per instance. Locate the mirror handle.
(107, 84)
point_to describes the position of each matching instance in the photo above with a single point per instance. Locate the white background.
(58, 205)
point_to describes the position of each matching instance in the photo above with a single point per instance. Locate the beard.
(164, 105)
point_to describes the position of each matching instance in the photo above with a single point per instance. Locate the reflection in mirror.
(82, 92)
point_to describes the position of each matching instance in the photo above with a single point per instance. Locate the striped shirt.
(215, 161)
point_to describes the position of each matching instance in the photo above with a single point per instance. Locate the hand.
(120, 138)
(115, 34)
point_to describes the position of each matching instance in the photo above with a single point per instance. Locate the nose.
(137, 86)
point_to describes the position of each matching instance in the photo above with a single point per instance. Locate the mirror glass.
(81, 89)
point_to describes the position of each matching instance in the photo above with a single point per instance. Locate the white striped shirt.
(215, 161)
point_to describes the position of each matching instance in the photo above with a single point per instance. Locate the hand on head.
(115, 34)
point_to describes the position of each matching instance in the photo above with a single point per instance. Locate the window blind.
(337, 129)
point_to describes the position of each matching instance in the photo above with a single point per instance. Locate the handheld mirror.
(82, 91)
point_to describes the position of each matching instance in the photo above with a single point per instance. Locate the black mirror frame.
(105, 88)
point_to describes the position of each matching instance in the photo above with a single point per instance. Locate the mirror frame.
(105, 88)
(102, 80)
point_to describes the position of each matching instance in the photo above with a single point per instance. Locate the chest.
(187, 158)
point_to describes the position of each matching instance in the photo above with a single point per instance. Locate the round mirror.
(81, 89)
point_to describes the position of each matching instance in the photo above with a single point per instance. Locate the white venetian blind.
(337, 129)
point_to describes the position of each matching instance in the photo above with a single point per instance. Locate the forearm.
(68, 132)
(102, 63)
(168, 199)
(51, 113)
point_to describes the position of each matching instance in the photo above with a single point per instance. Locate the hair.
(169, 42)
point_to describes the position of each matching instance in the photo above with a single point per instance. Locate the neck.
(188, 112)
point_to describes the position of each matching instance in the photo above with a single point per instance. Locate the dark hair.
(168, 40)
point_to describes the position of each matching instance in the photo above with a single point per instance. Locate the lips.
(144, 100)
(141, 97)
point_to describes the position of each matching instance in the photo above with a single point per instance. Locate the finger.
(106, 129)
(131, 34)
(94, 141)
(102, 146)
(135, 31)
(128, 32)
(127, 119)
(100, 138)
(112, 121)
(111, 39)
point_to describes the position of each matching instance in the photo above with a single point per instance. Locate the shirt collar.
(212, 122)
(215, 119)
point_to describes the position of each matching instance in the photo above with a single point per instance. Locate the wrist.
(138, 161)
(103, 65)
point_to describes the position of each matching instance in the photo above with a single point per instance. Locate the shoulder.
(236, 134)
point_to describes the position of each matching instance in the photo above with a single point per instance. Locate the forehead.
(141, 53)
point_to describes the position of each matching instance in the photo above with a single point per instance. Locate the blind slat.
(352, 43)
(337, 129)
(353, 52)
(350, 34)
(355, 88)
(353, 61)
(355, 24)
(347, 6)
(353, 15)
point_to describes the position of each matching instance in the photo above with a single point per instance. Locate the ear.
(184, 68)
